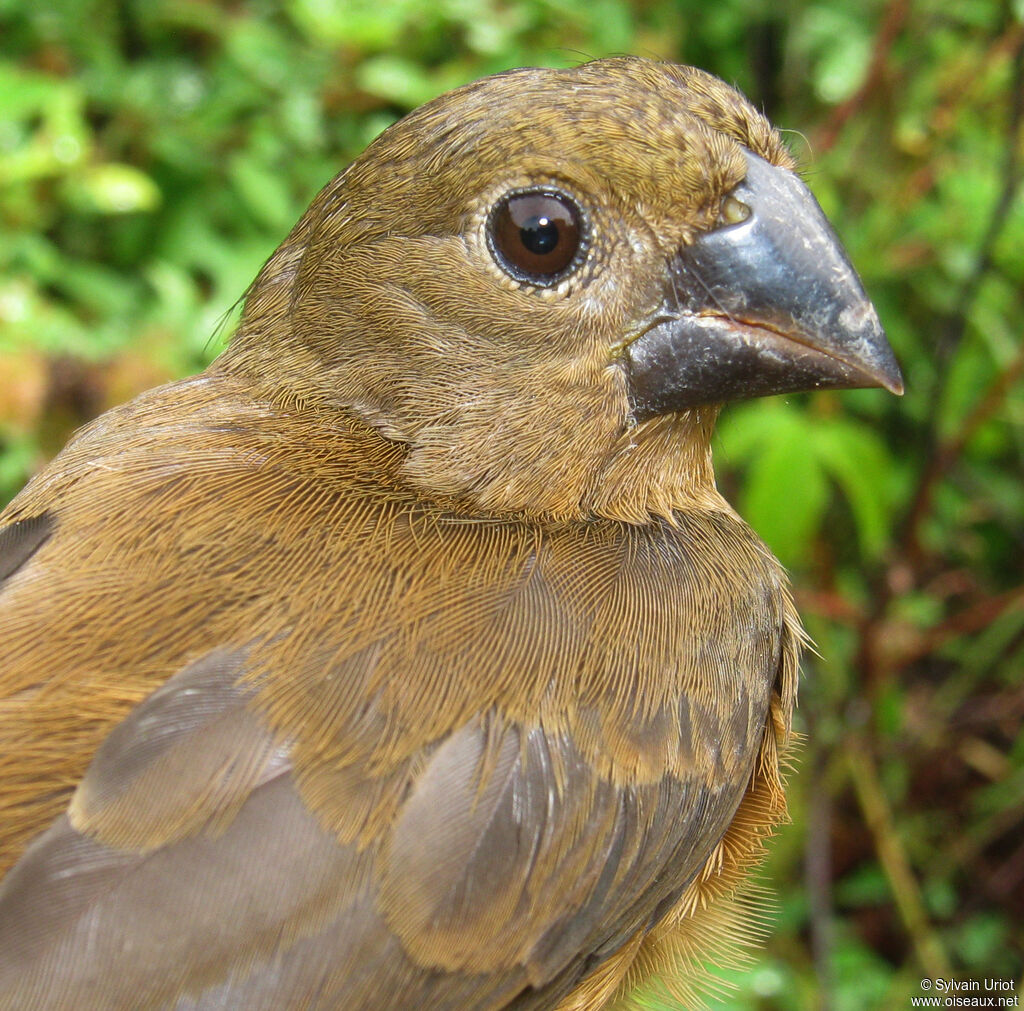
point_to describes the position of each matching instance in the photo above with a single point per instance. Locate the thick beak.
(768, 305)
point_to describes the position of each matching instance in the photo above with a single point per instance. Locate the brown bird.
(408, 658)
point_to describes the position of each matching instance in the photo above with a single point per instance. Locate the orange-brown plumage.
(425, 664)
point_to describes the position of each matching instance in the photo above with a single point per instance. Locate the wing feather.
(468, 764)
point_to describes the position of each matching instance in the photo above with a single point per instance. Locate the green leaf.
(113, 188)
(364, 24)
(858, 460)
(23, 93)
(787, 491)
(397, 80)
(743, 427)
(264, 191)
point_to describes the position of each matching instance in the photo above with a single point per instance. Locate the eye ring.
(537, 235)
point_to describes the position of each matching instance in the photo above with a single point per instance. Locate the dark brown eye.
(535, 235)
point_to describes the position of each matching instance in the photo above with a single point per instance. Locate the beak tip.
(886, 370)
(871, 344)
(867, 347)
(888, 375)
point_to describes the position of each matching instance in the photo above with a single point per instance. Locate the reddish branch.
(892, 24)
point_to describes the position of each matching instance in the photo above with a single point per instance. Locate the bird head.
(543, 285)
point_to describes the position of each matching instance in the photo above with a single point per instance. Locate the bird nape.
(408, 657)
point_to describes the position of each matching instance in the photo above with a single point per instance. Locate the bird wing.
(379, 785)
(190, 873)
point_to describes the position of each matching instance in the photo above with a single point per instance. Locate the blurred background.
(153, 153)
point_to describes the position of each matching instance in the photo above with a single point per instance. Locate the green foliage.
(153, 153)
(789, 465)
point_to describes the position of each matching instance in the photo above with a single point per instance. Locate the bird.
(408, 656)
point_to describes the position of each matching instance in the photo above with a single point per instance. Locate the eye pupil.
(536, 235)
(539, 235)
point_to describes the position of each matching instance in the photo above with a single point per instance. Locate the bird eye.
(536, 235)
(733, 211)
